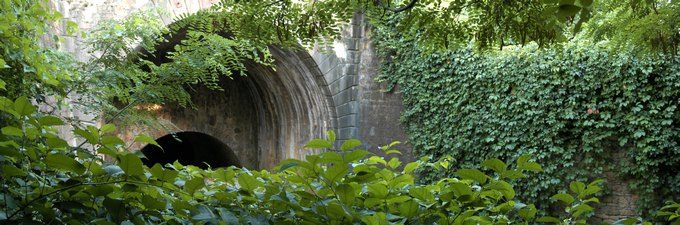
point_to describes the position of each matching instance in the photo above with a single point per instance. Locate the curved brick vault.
(265, 116)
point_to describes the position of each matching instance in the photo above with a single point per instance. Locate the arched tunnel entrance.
(190, 148)
(265, 116)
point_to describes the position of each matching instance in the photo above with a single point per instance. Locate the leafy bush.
(576, 109)
(44, 180)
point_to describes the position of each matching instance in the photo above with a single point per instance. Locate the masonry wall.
(364, 110)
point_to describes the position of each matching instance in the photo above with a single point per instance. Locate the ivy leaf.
(131, 164)
(64, 163)
(318, 144)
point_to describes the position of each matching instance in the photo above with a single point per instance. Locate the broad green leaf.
(346, 194)
(496, 165)
(330, 157)
(350, 144)
(224, 175)
(581, 209)
(410, 167)
(422, 193)
(111, 140)
(141, 138)
(318, 144)
(152, 203)
(394, 163)
(504, 187)
(528, 212)
(107, 128)
(378, 190)
(12, 131)
(409, 208)
(549, 219)
(472, 174)
(532, 166)
(100, 190)
(461, 189)
(336, 172)
(248, 182)
(392, 151)
(50, 121)
(577, 187)
(287, 164)
(378, 218)
(64, 163)
(91, 138)
(12, 171)
(131, 164)
(355, 155)
(194, 184)
(23, 106)
(158, 172)
(566, 198)
(56, 142)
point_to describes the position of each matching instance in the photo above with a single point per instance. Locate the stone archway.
(264, 117)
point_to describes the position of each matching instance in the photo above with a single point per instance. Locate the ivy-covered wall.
(573, 108)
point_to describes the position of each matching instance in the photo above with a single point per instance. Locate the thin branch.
(408, 6)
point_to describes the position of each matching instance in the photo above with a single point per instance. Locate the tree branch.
(408, 6)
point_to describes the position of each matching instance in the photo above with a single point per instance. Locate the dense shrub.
(579, 109)
(44, 180)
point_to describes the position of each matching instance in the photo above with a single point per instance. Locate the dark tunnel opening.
(190, 148)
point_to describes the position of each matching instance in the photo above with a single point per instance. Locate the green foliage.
(48, 184)
(575, 109)
(437, 24)
(28, 64)
(643, 25)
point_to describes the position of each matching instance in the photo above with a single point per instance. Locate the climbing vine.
(580, 109)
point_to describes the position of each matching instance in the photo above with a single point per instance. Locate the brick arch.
(265, 116)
